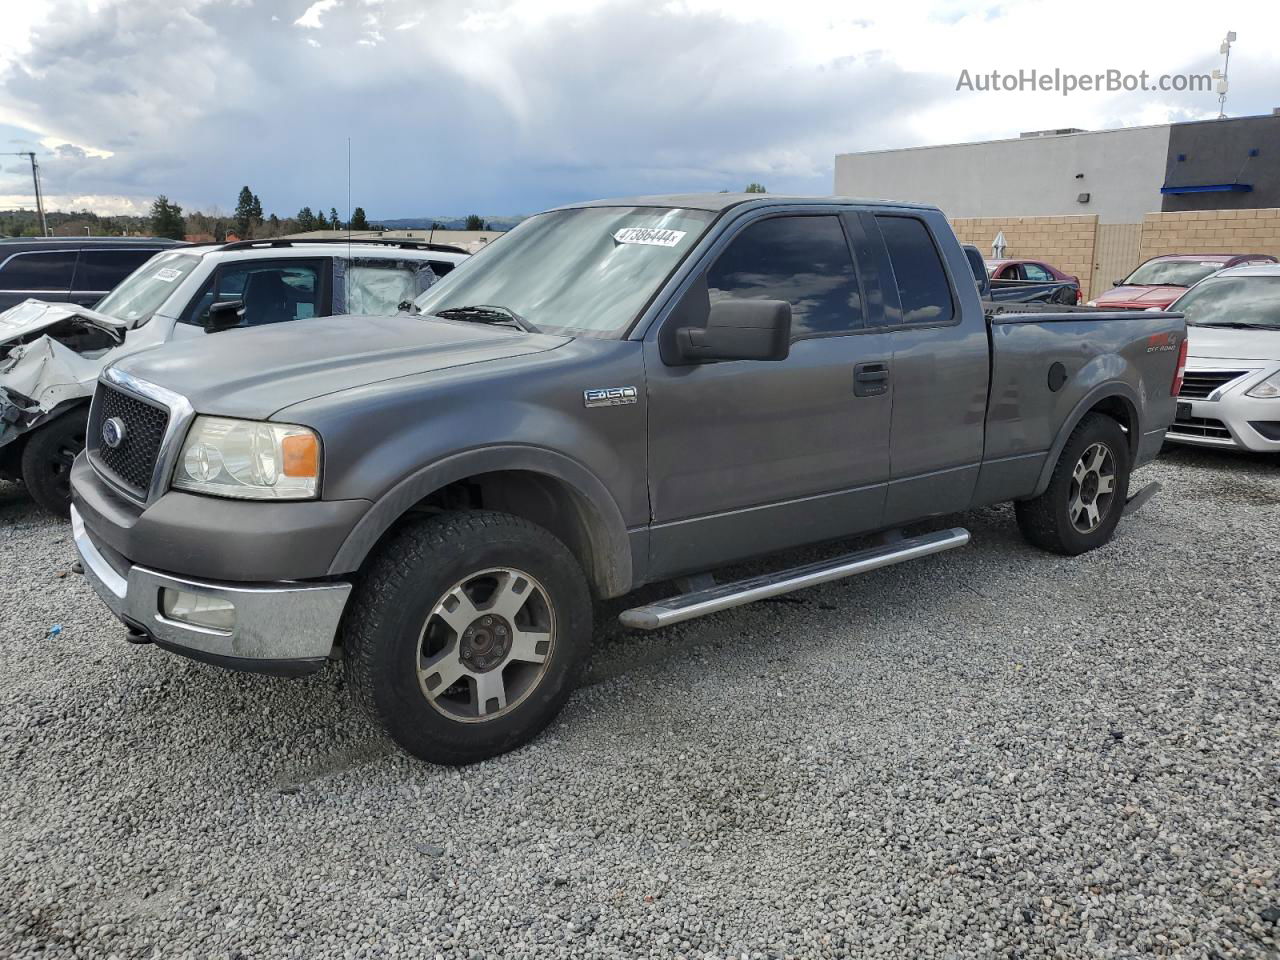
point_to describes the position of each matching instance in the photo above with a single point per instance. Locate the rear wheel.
(467, 634)
(47, 458)
(1086, 495)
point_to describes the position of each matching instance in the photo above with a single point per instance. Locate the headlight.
(1268, 389)
(249, 459)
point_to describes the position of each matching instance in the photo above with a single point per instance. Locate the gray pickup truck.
(614, 394)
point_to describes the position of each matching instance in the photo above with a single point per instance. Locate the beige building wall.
(1211, 231)
(1119, 250)
(1066, 242)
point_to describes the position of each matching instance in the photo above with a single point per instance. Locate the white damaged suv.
(51, 353)
(1230, 396)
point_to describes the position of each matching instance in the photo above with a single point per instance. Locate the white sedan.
(1231, 394)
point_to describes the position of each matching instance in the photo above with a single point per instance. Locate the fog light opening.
(198, 610)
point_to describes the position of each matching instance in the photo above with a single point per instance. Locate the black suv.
(70, 269)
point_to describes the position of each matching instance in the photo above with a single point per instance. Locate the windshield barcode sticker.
(168, 274)
(652, 236)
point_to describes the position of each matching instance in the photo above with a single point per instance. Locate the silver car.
(1230, 396)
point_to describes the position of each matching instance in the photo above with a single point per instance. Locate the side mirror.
(739, 330)
(1119, 283)
(224, 315)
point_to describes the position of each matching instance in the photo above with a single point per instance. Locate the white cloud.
(312, 17)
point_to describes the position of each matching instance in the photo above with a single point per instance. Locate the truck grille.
(134, 461)
(1198, 384)
(1200, 427)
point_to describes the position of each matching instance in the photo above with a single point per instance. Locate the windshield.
(140, 294)
(1232, 301)
(587, 271)
(1173, 273)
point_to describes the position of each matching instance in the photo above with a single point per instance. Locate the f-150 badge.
(609, 396)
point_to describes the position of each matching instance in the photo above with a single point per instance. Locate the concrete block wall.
(1065, 242)
(1211, 231)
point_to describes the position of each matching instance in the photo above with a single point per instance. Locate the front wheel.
(467, 634)
(47, 458)
(1086, 495)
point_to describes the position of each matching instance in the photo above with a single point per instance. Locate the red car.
(1035, 270)
(1162, 280)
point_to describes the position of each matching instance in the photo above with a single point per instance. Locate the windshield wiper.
(487, 313)
(1237, 325)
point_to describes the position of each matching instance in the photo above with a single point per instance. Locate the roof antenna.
(348, 198)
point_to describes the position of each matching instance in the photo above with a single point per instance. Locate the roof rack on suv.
(300, 241)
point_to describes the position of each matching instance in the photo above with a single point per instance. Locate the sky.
(462, 106)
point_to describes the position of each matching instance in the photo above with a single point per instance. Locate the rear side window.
(100, 270)
(1036, 272)
(803, 260)
(922, 282)
(40, 271)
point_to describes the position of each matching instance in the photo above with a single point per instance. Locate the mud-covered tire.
(1049, 521)
(47, 457)
(399, 608)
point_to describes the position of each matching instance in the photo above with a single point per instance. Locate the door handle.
(871, 379)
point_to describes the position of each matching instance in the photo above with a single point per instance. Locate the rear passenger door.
(940, 372)
(99, 271)
(747, 457)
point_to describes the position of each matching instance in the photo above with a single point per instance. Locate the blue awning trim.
(1210, 188)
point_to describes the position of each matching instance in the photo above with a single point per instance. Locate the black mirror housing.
(739, 330)
(224, 315)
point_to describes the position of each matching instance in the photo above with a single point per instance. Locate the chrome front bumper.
(279, 627)
(1226, 418)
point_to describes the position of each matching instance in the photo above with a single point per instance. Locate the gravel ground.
(991, 753)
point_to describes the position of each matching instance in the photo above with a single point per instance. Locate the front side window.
(101, 270)
(145, 290)
(586, 271)
(923, 288)
(1233, 302)
(271, 292)
(42, 271)
(802, 260)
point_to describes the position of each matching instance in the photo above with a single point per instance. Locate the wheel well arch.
(545, 488)
(1111, 400)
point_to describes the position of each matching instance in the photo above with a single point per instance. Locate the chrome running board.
(699, 603)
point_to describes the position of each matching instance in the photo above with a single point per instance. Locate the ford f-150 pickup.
(614, 394)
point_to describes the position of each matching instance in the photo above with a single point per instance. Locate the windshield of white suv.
(587, 271)
(1243, 302)
(1173, 273)
(140, 294)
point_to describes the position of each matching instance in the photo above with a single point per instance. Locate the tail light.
(1181, 371)
(1079, 296)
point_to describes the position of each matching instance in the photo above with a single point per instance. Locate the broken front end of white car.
(50, 358)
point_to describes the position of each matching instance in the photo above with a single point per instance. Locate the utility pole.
(35, 179)
(1221, 75)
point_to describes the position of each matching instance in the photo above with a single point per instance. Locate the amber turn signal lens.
(301, 455)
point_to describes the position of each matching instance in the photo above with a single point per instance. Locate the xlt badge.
(609, 396)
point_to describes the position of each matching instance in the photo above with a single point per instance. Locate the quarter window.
(803, 260)
(41, 271)
(923, 288)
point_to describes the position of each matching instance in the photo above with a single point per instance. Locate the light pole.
(1221, 75)
(35, 178)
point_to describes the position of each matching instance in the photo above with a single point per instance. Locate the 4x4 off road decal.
(1162, 342)
(609, 396)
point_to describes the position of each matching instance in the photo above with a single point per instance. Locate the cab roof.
(718, 202)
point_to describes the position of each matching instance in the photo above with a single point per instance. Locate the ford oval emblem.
(113, 432)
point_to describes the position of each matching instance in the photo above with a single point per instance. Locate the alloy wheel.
(1093, 484)
(486, 644)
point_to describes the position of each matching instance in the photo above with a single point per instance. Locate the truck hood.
(32, 316)
(254, 372)
(1140, 297)
(1226, 343)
